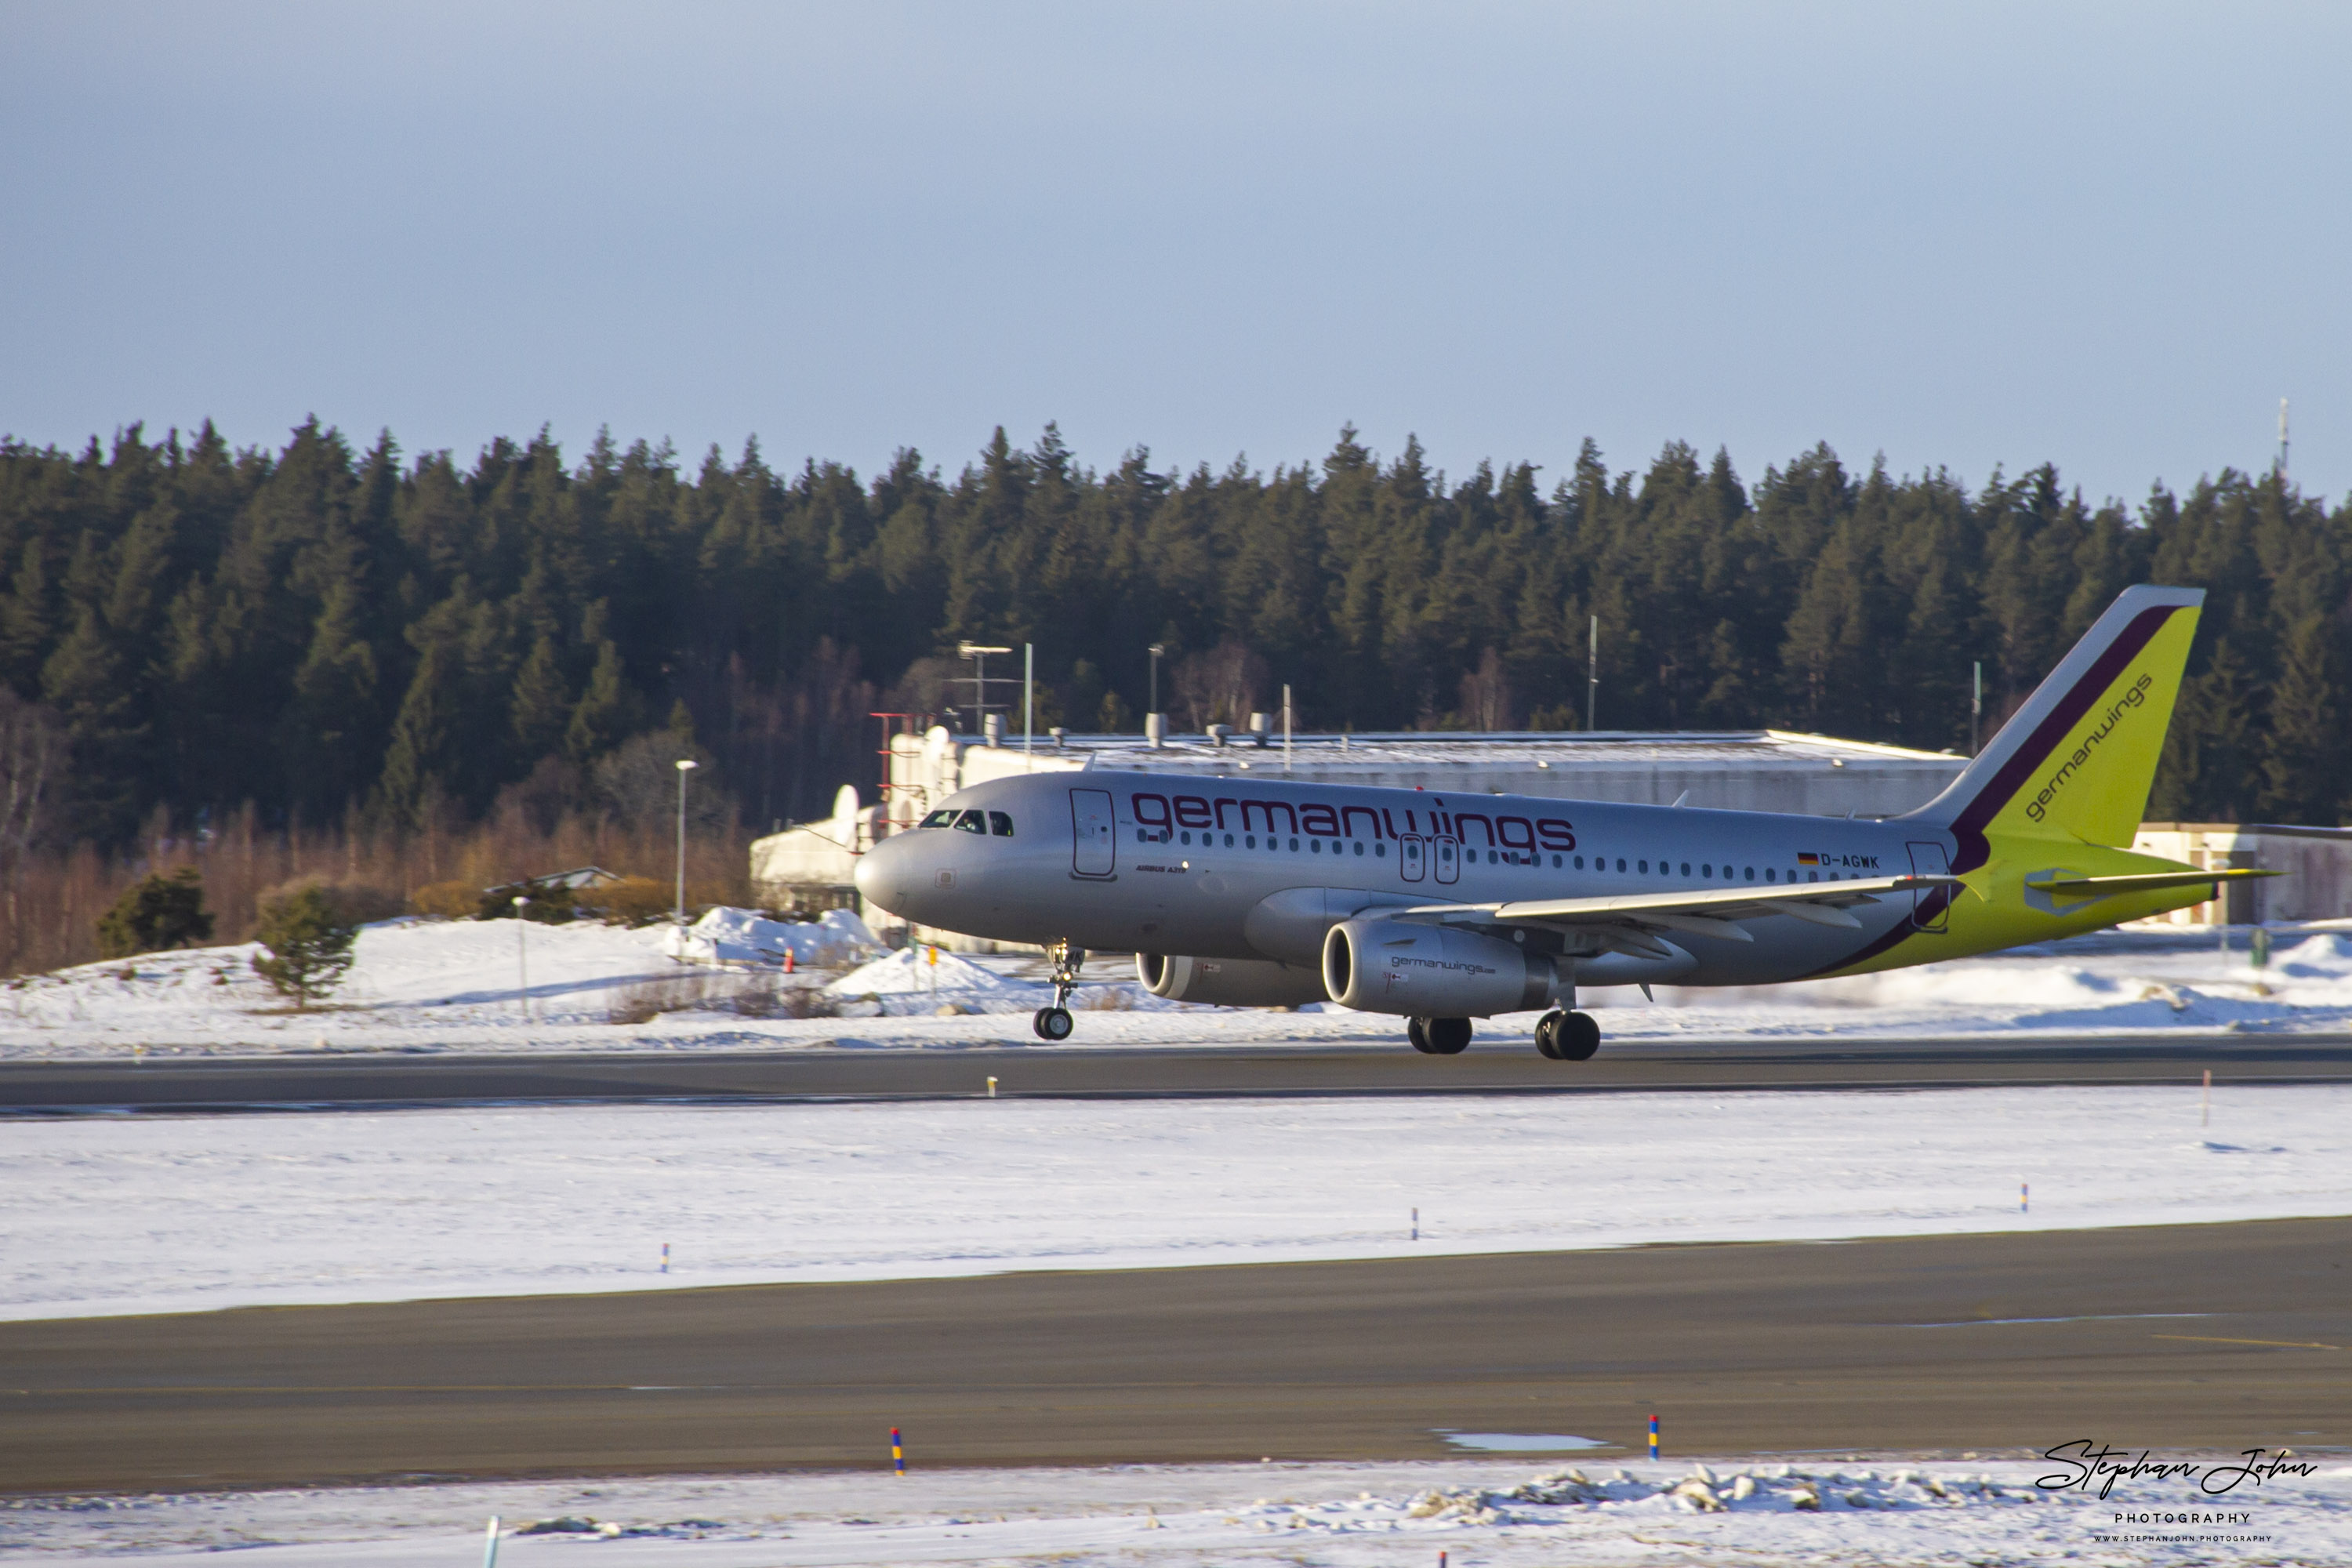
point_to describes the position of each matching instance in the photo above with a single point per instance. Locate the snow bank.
(1834, 1514)
(925, 970)
(165, 1214)
(746, 936)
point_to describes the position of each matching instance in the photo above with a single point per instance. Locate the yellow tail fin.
(2077, 761)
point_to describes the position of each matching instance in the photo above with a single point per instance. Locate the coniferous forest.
(357, 648)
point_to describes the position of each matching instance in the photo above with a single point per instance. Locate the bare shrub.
(806, 1002)
(645, 1000)
(745, 996)
(1107, 999)
(634, 901)
(347, 903)
(450, 900)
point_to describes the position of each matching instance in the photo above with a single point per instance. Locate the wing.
(1713, 912)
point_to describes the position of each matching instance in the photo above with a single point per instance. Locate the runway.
(2212, 1336)
(848, 1072)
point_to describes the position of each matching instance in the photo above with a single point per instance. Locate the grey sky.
(2108, 236)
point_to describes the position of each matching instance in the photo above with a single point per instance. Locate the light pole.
(685, 766)
(1156, 650)
(522, 958)
(979, 656)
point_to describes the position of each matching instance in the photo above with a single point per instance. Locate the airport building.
(809, 867)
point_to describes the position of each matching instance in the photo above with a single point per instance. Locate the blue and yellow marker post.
(898, 1453)
(1654, 1437)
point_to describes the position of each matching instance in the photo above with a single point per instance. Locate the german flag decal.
(1809, 860)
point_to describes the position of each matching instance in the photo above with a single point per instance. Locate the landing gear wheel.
(1576, 1037)
(1447, 1036)
(1054, 1023)
(1548, 1036)
(1417, 1031)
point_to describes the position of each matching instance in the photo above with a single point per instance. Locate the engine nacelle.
(1228, 981)
(1432, 971)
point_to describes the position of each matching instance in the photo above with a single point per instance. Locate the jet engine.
(1228, 981)
(1432, 971)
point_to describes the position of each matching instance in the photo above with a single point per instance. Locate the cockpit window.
(938, 819)
(969, 822)
(999, 824)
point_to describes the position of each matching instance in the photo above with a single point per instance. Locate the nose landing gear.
(1568, 1037)
(1054, 1023)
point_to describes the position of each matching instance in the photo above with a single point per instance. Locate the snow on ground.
(423, 985)
(746, 936)
(1817, 1510)
(154, 1213)
(924, 970)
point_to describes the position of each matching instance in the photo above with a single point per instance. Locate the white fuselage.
(1240, 868)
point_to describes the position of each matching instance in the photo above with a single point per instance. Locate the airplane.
(1440, 907)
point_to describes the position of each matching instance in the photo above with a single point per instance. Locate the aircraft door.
(1094, 833)
(1930, 906)
(1448, 856)
(1411, 860)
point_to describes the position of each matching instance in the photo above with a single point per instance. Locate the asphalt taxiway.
(2194, 1337)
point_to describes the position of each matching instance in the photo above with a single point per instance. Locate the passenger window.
(1751, 873)
(1359, 847)
(1686, 868)
(1772, 873)
(1707, 869)
(970, 821)
(999, 824)
(1579, 862)
(1621, 863)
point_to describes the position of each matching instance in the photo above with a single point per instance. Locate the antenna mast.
(2281, 457)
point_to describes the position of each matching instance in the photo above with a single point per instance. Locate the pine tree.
(309, 942)
(2304, 765)
(86, 682)
(331, 725)
(605, 713)
(417, 766)
(156, 913)
(26, 619)
(541, 709)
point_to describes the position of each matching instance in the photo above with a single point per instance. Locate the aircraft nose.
(889, 873)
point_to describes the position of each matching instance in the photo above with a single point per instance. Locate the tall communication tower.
(2281, 457)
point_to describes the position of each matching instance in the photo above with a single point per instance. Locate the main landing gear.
(1561, 1036)
(1438, 1036)
(1568, 1037)
(1054, 1023)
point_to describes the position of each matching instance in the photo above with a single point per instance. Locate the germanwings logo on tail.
(2039, 806)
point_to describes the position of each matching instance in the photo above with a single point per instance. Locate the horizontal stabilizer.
(2145, 882)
